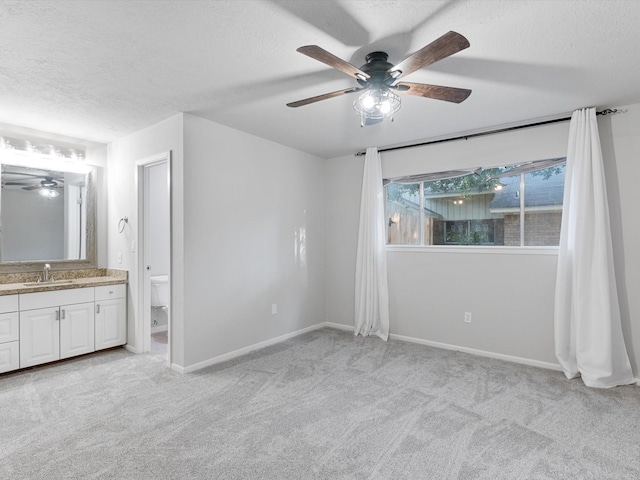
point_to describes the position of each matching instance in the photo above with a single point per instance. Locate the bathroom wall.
(123, 154)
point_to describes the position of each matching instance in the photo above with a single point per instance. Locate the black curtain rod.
(607, 111)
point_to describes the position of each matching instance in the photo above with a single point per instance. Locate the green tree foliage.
(482, 181)
(474, 182)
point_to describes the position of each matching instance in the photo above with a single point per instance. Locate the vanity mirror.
(46, 215)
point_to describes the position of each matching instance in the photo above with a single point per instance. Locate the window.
(514, 205)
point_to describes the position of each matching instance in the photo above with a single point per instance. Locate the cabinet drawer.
(8, 303)
(107, 292)
(32, 301)
(9, 356)
(9, 327)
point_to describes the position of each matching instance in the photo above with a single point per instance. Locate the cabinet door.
(111, 323)
(9, 327)
(39, 336)
(9, 358)
(76, 329)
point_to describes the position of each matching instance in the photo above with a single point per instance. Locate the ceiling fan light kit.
(48, 192)
(376, 105)
(377, 78)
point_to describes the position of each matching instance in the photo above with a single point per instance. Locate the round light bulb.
(368, 102)
(49, 193)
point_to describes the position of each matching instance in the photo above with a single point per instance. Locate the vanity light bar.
(33, 154)
(41, 148)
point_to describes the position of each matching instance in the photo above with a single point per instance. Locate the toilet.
(160, 291)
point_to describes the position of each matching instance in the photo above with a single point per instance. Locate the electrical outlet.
(274, 308)
(467, 317)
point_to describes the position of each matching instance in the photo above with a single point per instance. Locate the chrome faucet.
(45, 273)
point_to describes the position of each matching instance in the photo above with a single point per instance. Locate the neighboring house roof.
(539, 192)
(414, 206)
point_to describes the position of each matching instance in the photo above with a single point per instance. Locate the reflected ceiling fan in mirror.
(378, 79)
(47, 187)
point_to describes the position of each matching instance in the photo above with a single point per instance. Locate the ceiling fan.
(378, 79)
(47, 187)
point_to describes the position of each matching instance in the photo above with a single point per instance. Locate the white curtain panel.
(588, 331)
(372, 292)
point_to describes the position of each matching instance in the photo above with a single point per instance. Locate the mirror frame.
(89, 262)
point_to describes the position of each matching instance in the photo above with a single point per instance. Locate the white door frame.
(143, 318)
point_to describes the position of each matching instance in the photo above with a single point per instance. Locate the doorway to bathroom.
(154, 265)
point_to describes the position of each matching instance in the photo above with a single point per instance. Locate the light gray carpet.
(324, 405)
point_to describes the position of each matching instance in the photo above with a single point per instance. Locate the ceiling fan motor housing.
(377, 67)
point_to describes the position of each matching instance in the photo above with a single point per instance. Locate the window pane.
(403, 212)
(494, 206)
(544, 191)
(459, 210)
(506, 202)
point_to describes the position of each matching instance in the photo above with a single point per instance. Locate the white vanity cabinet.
(56, 325)
(111, 316)
(9, 334)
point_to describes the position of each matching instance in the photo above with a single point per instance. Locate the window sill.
(486, 250)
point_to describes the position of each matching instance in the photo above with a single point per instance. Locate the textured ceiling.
(99, 70)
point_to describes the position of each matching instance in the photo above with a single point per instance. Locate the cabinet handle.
(57, 314)
(98, 308)
(63, 314)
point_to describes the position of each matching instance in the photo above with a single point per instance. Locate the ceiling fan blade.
(326, 96)
(437, 92)
(330, 59)
(447, 44)
(7, 172)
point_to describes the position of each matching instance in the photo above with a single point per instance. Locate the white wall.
(343, 185)
(123, 155)
(509, 294)
(254, 236)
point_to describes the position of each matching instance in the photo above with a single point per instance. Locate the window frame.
(477, 248)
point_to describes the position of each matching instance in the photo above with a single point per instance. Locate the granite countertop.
(63, 281)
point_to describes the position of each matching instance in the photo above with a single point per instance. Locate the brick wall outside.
(512, 230)
(540, 229)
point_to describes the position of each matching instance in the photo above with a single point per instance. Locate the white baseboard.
(480, 353)
(131, 348)
(243, 351)
(349, 328)
(339, 326)
(159, 328)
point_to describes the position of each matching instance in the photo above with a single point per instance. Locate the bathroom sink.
(43, 284)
